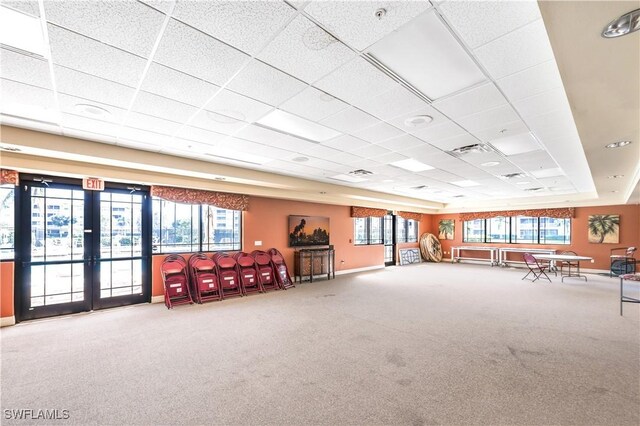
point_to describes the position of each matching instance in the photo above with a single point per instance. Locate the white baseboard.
(7, 321)
(157, 299)
(366, 268)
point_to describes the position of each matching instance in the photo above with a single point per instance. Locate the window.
(7, 221)
(406, 230)
(367, 230)
(191, 227)
(518, 230)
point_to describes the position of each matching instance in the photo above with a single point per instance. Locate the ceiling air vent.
(418, 188)
(534, 189)
(469, 149)
(512, 175)
(458, 196)
(360, 172)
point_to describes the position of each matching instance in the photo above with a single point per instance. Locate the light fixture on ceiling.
(360, 172)
(290, 124)
(225, 116)
(476, 148)
(512, 175)
(618, 144)
(465, 183)
(490, 164)
(626, 24)
(92, 111)
(300, 159)
(21, 33)
(418, 121)
(615, 176)
(241, 157)
(412, 165)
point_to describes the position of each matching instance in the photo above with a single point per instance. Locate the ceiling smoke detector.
(418, 120)
(626, 24)
(92, 111)
(380, 13)
(360, 172)
(513, 175)
(470, 149)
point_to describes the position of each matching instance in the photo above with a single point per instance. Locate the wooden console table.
(314, 262)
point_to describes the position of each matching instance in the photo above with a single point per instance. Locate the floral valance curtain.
(8, 177)
(562, 213)
(410, 215)
(223, 200)
(367, 212)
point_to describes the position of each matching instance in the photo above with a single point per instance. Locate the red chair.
(247, 273)
(175, 278)
(535, 268)
(281, 271)
(204, 278)
(227, 275)
(266, 274)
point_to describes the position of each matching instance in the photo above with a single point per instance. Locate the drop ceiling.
(365, 85)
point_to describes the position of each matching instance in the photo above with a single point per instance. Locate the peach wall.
(629, 234)
(6, 289)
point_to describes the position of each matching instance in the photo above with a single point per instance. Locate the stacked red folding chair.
(227, 275)
(247, 273)
(266, 274)
(204, 278)
(175, 278)
(281, 271)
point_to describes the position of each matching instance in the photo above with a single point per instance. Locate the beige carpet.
(419, 344)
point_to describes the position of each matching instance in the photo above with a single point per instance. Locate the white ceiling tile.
(345, 143)
(356, 81)
(190, 51)
(370, 151)
(378, 132)
(143, 146)
(440, 175)
(89, 56)
(24, 69)
(98, 127)
(241, 145)
(541, 104)
(152, 124)
(217, 122)
(559, 118)
(265, 83)
(547, 173)
(200, 135)
(471, 101)
(127, 25)
(323, 164)
(401, 143)
(424, 153)
(29, 7)
(93, 88)
(155, 140)
(534, 160)
(504, 56)
(455, 142)
(313, 104)
(261, 135)
(163, 6)
(178, 86)
(477, 158)
(235, 105)
(356, 24)
(306, 51)
(392, 103)
(531, 81)
(389, 157)
(479, 22)
(441, 131)
(72, 105)
(158, 106)
(488, 118)
(246, 25)
(512, 128)
(89, 136)
(516, 144)
(349, 120)
(401, 121)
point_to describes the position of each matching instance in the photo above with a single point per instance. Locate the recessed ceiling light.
(619, 144)
(225, 116)
(465, 183)
(300, 159)
(411, 165)
(626, 24)
(615, 176)
(348, 178)
(523, 183)
(92, 110)
(418, 120)
(490, 163)
(21, 32)
(290, 124)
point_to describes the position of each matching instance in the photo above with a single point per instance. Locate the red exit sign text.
(93, 184)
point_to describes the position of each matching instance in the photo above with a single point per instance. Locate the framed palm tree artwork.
(604, 228)
(446, 229)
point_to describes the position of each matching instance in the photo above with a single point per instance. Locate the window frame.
(368, 240)
(511, 226)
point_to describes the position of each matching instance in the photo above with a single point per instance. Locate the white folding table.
(553, 258)
(493, 253)
(502, 253)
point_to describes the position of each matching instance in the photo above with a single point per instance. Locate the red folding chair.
(204, 278)
(227, 275)
(281, 271)
(175, 278)
(247, 273)
(266, 274)
(535, 268)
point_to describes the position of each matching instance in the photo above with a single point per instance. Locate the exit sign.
(93, 184)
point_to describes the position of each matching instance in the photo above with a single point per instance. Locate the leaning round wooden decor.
(430, 248)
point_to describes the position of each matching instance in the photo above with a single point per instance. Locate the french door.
(81, 250)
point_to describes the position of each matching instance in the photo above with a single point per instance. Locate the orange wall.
(629, 234)
(6, 289)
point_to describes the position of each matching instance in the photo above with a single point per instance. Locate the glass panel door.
(389, 241)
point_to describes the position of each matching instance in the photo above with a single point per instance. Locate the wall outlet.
(257, 243)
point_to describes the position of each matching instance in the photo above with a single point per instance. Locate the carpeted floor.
(420, 344)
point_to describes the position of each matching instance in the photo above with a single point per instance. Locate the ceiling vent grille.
(534, 189)
(476, 148)
(360, 172)
(512, 175)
